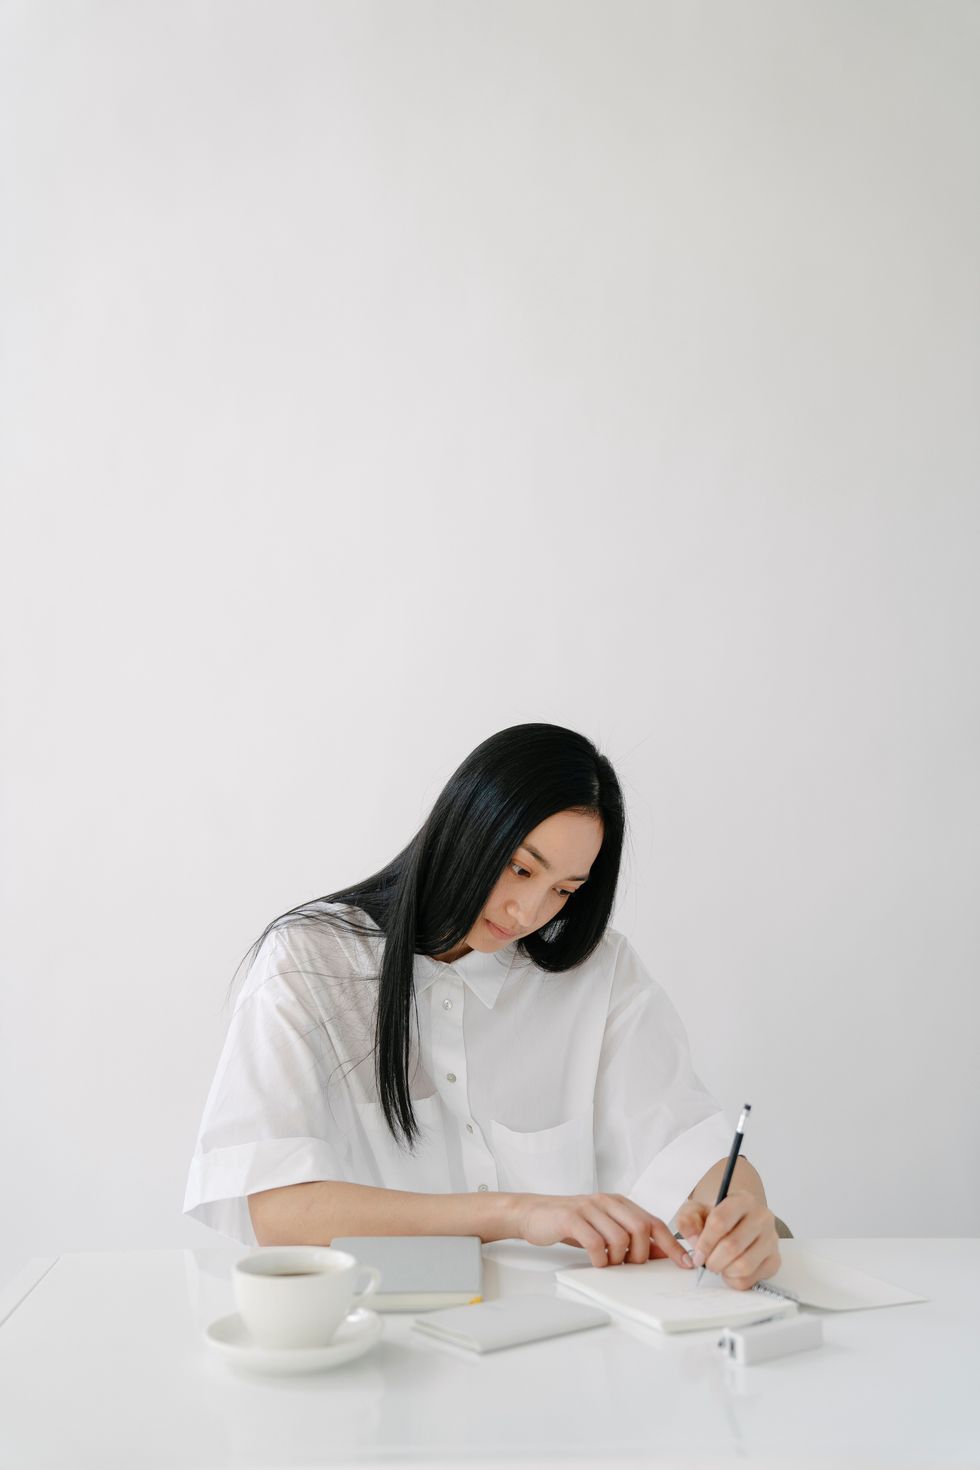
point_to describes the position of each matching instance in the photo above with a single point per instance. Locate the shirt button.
(483, 1188)
(447, 1005)
(469, 1127)
(450, 1076)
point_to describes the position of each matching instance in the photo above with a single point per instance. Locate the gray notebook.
(419, 1271)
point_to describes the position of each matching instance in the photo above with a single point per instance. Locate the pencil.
(730, 1167)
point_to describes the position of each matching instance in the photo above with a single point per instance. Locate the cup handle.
(373, 1282)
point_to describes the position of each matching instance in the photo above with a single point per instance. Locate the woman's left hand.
(736, 1239)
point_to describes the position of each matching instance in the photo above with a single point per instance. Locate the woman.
(460, 1045)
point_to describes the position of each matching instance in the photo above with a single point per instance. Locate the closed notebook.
(506, 1323)
(662, 1295)
(419, 1271)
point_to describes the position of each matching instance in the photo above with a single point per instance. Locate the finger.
(666, 1245)
(755, 1264)
(756, 1235)
(743, 1278)
(745, 1270)
(749, 1234)
(617, 1238)
(722, 1219)
(635, 1221)
(690, 1219)
(582, 1233)
(768, 1267)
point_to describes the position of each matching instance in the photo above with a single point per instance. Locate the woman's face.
(550, 864)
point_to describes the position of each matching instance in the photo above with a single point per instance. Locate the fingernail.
(698, 1258)
(687, 1259)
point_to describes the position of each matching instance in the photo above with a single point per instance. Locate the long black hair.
(427, 899)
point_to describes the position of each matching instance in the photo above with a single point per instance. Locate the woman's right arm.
(609, 1226)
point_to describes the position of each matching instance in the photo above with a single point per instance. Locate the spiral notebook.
(660, 1294)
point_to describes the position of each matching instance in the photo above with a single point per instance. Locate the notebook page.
(659, 1294)
(831, 1286)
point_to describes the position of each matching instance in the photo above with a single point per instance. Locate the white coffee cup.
(295, 1296)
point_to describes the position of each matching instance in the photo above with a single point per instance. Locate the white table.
(103, 1365)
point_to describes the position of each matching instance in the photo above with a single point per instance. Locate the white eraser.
(762, 1340)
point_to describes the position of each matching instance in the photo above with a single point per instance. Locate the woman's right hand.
(609, 1226)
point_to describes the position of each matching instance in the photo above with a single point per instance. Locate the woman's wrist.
(501, 1216)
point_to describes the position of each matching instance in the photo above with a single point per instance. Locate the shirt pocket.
(426, 1170)
(557, 1160)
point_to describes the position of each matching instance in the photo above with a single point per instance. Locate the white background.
(380, 375)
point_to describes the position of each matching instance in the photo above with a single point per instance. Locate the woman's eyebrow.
(578, 877)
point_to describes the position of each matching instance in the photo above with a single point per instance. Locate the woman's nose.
(520, 915)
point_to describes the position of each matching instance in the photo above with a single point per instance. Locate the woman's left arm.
(736, 1239)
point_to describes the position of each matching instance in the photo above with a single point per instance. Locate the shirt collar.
(483, 973)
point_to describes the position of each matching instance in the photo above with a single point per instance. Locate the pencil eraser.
(760, 1341)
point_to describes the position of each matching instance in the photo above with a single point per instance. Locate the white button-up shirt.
(521, 1080)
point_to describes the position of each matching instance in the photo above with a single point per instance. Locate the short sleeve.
(657, 1128)
(267, 1121)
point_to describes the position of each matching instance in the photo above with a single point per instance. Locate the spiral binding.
(777, 1291)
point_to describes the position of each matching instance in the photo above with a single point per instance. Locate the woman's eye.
(563, 892)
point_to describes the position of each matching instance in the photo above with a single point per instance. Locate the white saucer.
(358, 1332)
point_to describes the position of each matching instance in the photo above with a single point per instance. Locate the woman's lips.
(501, 933)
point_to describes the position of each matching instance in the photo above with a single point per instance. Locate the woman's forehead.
(566, 838)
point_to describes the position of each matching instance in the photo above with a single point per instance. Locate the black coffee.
(295, 1273)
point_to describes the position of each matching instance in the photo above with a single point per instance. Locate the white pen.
(730, 1169)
